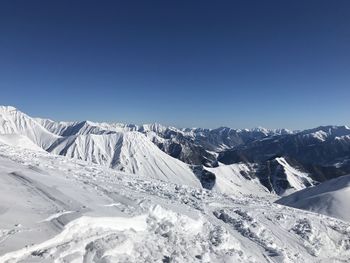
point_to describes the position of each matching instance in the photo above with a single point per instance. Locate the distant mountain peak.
(8, 108)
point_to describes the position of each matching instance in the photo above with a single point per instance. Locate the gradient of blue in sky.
(185, 63)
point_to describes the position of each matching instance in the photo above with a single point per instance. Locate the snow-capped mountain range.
(184, 155)
(152, 150)
(100, 192)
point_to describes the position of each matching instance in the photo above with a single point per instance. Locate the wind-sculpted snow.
(55, 209)
(329, 198)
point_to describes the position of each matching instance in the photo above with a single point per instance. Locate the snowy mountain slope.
(88, 127)
(329, 198)
(235, 179)
(316, 150)
(141, 156)
(13, 121)
(56, 127)
(285, 161)
(192, 146)
(296, 179)
(282, 177)
(277, 176)
(200, 146)
(224, 138)
(94, 148)
(72, 211)
(130, 152)
(66, 129)
(324, 133)
(20, 141)
(111, 145)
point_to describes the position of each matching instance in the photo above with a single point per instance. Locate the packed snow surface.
(55, 209)
(329, 198)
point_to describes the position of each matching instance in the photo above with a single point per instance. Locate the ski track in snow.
(89, 213)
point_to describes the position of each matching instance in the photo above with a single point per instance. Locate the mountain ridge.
(280, 166)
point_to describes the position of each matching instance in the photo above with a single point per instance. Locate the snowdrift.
(330, 198)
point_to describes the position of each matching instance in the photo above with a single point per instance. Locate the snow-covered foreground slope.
(55, 209)
(329, 198)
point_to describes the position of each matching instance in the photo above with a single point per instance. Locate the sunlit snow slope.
(329, 198)
(13, 121)
(111, 145)
(296, 179)
(20, 141)
(154, 151)
(234, 179)
(130, 152)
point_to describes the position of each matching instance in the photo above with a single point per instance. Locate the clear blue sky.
(186, 63)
